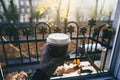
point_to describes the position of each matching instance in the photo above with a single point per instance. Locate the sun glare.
(83, 8)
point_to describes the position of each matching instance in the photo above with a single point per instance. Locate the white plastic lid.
(58, 39)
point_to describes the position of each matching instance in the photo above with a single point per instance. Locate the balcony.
(21, 50)
(92, 45)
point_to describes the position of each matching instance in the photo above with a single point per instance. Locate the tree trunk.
(66, 18)
(96, 8)
(5, 10)
(58, 13)
(77, 16)
(101, 10)
(13, 9)
(31, 15)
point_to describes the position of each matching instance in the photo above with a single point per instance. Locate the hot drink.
(57, 44)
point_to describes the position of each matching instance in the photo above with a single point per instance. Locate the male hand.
(48, 63)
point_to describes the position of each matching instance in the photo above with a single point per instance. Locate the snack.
(76, 61)
(4, 69)
(68, 68)
(17, 76)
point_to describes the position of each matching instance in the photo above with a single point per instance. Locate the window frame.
(115, 57)
(115, 61)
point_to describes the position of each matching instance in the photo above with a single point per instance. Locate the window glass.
(27, 3)
(89, 49)
(28, 10)
(22, 10)
(22, 3)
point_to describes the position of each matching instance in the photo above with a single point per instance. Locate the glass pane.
(87, 22)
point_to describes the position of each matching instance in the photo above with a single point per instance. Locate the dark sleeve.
(40, 75)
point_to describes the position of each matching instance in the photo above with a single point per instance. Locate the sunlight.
(84, 8)
(47, 4)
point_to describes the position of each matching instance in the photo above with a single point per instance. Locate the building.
(24, 8)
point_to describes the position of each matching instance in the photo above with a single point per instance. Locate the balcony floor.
(87, 69)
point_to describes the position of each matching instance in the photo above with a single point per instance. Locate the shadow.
(87, 71)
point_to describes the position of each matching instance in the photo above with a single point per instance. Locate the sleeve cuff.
(40, 75)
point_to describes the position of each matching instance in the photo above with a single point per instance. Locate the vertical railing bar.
(18, 41)
(91, 48)
(89, 37)
(42, 37)
(91, 24)
(28, 47)
(95, 51)
(3, 47)
(106, 54)
(102, 40)
(36, 45)
(77, 40)
(76, 36)
(83, 43)
(4, 51)
(71, 35)
(96, 45)
(21, 57)
(15, 29)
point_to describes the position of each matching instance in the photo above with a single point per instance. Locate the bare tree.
(58, 13)
(5, 10)
(31, 9)
(96, 9)
(67, 13)
(77, 16)
(101, 10)
(11, 12)
(31, 14)
(12, 8)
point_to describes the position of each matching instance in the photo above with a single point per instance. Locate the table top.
(86, 69)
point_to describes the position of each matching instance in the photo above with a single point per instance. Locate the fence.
(86, 41)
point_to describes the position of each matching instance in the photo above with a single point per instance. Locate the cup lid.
(58, 39)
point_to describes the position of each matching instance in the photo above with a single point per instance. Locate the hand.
(49, 64)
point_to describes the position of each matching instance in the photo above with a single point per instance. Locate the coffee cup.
(58, 44)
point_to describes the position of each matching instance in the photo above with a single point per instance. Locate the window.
(22, 3)
(27, 3)
(22, 10)
(28, 10)
(80, 15)
(115, 61)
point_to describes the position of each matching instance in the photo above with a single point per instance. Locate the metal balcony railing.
(85, 42)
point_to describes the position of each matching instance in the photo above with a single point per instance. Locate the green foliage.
(13, 16)
(36, 13)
